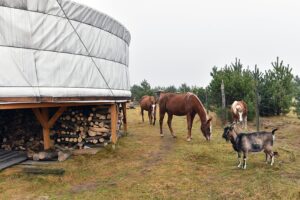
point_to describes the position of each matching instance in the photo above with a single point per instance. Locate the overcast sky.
(179, 41)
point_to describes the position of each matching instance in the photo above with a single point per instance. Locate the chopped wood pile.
(19, 130)
(84, 126)
(77, 128)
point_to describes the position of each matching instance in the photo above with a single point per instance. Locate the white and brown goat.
(250, 142)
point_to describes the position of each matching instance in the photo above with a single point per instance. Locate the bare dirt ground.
(145, 166)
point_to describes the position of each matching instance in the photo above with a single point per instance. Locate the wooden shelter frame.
(41, 111)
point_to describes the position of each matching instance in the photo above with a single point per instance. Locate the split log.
(47, 156)
(44, 171)
(91, 151)
(92, 133)
(102, 130)
(62, 156)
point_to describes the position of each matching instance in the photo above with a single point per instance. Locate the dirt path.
(166, 146)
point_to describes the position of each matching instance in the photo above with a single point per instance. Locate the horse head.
(206, 129)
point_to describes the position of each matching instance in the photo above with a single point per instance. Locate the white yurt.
(61, 51)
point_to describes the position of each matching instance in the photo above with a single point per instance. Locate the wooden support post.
(43, 117)
(124, 117)
(114, 121)
(46, 129)
(224, 112)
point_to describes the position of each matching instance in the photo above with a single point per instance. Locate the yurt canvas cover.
(55, 50)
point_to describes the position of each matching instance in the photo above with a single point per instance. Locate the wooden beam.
(124, 117)
(114, 121)
(40, 117)
(88, 99)
(47, 105)
(43, 116)
(55, 117)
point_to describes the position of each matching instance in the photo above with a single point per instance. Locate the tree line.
(276, 90)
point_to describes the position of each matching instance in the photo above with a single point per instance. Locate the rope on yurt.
(89, 54)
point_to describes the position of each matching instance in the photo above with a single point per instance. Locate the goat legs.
(269, 153)
(245, 160)
(272, 158)
(239, 160)
(267, 156)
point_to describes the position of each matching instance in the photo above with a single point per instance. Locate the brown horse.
(184, 104)
(148, 103)
(239, 112)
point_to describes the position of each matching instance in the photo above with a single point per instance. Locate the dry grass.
(145, 166)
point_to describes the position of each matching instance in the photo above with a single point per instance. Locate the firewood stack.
(19, 130)
(84, 126)
(78, 127)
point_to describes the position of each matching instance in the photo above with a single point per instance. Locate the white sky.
(179, 41)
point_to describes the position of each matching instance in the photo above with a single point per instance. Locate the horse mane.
(201, 107)
(143, 97)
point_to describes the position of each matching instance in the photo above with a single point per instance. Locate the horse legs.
(142, 113)
(170, 117)
(190, 119)
(161, 120)
(150, 117)
(154, 115)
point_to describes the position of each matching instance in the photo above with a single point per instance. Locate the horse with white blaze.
(239, 112)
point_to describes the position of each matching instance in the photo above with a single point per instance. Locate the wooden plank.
(11, 162)
(32, 162)
(33, 102)
(114, 121)
(7, 155)
(124, 117)
(10, 158)
(91, 151)
(48, 105)
(43, 171)
(55, 117)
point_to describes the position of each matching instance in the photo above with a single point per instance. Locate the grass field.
(145, 166)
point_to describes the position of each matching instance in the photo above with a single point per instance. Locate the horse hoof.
(174, 136)
(189, 139)
(161, 135)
